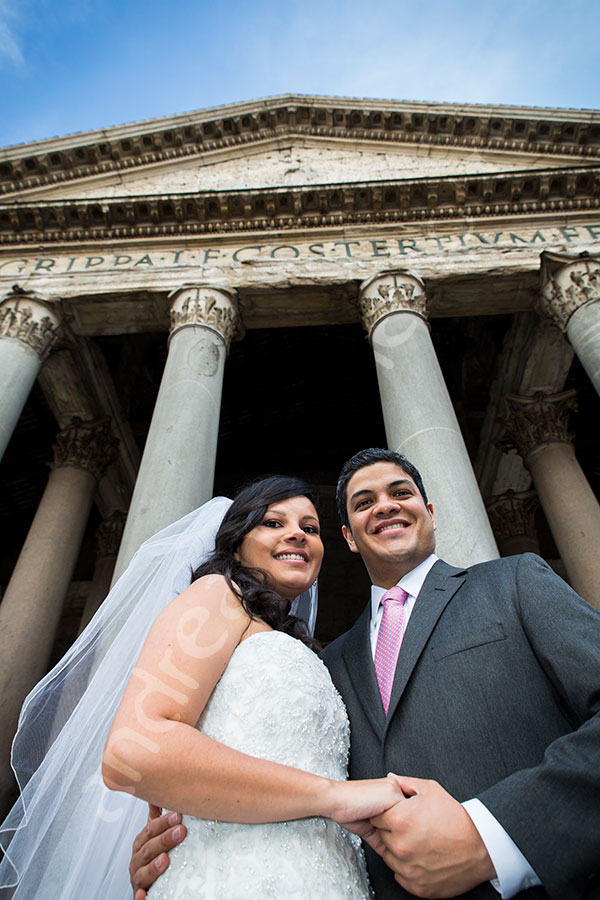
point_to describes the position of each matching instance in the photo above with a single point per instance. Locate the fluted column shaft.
(536, 427)
(29, 328)
(35, 595)
(571, 299)
(419, 418)
(177, 469)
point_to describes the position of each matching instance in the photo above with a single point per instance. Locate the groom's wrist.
(512, 871)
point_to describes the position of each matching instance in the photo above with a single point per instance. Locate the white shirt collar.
(412, 583)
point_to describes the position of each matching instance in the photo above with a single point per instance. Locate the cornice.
(407, 200)
(507, 129)
(313, 101)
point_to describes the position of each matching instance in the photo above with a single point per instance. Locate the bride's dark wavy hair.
(251, 584)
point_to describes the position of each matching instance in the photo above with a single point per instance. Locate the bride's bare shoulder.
(211, 591)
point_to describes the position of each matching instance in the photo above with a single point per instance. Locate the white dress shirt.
(513, 872)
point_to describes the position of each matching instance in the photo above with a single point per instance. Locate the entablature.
(314, 206)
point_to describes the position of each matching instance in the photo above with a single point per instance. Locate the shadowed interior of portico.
(298, 400)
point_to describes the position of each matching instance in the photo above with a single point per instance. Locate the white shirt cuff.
(513, 872)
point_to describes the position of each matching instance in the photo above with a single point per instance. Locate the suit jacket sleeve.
(552, 810)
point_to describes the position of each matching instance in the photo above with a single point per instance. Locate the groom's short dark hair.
(368, 458)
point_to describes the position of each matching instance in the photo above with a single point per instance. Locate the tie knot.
(397, 594)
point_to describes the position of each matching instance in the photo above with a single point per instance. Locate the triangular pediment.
(297, 162)
(298, 140)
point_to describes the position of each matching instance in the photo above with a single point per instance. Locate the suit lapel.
(359, 662)
(442, 582)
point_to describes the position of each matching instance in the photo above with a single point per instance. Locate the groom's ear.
(349, 538)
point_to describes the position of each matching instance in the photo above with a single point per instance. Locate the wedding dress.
(68, 836)
(276, 701)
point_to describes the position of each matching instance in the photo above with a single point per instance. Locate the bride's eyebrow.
(310, 518)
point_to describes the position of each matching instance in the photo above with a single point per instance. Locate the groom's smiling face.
(391, 526)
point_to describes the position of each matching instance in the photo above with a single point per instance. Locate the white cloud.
(10, 51)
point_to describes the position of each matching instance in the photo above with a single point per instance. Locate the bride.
(227, 717)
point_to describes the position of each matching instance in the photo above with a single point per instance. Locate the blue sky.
(73, 65)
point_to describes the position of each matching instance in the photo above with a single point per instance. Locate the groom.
(494, 704)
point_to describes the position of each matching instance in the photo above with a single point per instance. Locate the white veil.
(67, 835)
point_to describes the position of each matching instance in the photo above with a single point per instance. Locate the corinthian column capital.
(566, 284)
(513, 513)
(391, 292)
(32, 319)
(534, 422)
(109, 534)
(86, 445)
(214, 308)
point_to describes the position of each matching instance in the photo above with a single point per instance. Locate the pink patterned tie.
(389, 639)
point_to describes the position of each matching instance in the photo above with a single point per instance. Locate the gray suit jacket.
(497, 696)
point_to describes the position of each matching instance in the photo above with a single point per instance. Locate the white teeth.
(395, 525)
(291, 556)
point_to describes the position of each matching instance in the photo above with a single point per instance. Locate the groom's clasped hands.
(429, 841)
(423, 834)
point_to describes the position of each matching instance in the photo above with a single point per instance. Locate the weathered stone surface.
(178, 464)
(299, 163)
(30, 326)
(536, 357)
(520, 133)
(488, 268)
(293, 202)
(567, 284)
(419, 419)
(86, 445)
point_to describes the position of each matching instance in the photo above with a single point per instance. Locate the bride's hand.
(355, 803)
(149, 857)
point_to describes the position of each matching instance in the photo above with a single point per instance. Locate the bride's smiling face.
(286, 545)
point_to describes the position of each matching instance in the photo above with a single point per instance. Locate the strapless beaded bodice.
(276, 701)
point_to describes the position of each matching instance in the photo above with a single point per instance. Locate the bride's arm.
(155, 752)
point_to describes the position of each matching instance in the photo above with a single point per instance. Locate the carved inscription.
(403, 246)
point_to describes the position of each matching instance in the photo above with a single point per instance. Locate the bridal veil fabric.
(67, 835)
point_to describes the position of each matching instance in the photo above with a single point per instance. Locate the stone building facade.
(192, 301)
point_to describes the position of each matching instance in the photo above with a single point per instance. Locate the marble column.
(29, 328)
(108, 539)
(512, 515)
(32, 604)
(570, 297)
(177, 469)
(536, 427)
(419, 418)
